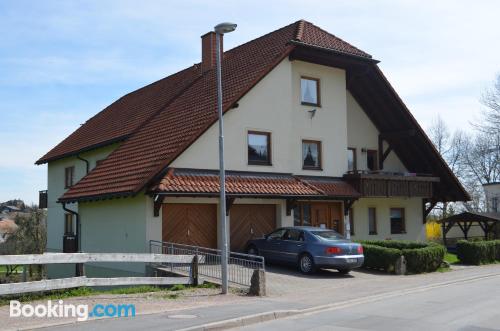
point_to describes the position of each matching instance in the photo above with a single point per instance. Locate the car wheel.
(344, 271)
(306, 264)
(252, 250)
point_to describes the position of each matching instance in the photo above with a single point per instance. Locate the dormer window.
(309, 91)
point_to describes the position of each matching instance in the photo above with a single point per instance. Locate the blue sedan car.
(309, 248)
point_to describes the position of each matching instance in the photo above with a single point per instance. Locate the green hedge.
(420, 257)
(478, 252)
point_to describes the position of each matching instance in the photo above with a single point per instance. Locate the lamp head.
(225, 27)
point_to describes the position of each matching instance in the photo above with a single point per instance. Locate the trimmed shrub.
(478, 252)
(420, 257)
(380, 258)
(426, 259)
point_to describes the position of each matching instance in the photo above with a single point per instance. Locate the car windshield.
(328, 234)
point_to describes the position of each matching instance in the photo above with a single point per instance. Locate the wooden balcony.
(390, 184)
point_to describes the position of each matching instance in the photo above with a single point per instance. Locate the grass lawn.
(87, 291)
(451, 258)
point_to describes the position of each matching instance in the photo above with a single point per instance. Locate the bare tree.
(490, 99)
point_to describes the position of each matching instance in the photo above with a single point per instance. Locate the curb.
(279, 314)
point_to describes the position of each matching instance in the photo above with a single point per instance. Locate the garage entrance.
(250, 221)
(190, 224)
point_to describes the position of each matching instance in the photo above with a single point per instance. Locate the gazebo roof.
(472, 217)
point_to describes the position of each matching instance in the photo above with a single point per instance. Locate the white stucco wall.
(492, 191)
(415, 229)
(362, 133)
(274, 106)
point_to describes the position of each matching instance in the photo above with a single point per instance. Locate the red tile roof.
(159, 121)
(206, 182)
(246, 183)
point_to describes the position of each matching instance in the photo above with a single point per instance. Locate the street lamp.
(220, 29)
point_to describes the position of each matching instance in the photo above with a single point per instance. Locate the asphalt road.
(472, 305)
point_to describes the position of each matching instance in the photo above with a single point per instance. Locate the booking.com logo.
(60, 309)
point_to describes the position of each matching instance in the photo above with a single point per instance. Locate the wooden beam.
(229, 204)
(157, 205)
(426, 209)
(59, 258)
(290, 204)
(347, 205)
(63, 283)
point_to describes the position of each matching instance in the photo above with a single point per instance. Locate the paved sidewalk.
(322, 290)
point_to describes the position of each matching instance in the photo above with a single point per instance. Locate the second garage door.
(190, 224)
(250, 221)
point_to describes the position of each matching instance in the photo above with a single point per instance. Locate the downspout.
(79, 266)
(87, 163)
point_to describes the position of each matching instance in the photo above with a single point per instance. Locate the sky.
(63, 61)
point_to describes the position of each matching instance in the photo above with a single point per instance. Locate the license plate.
(352, 260)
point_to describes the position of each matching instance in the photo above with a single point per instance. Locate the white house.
(314, 132)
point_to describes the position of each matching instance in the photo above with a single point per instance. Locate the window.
(69, 174)
(294, 235)
(68, 223)
(309, 91)
(494, 204)
(372, 221)
(277, 234)
(311, 154)
(302, 215)
(397, 220)
(351, 159)
(351, 221)
(371, 160)
(259, 148)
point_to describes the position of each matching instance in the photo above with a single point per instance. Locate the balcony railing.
(391, 184)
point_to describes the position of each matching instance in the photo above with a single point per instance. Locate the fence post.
(24, 273)
(194, 271)
(258, 283)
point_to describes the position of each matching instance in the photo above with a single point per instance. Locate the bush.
(478, 252)
(425, 259)
(380, 258)
(420, 257)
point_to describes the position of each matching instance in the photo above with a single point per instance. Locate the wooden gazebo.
(465, 220)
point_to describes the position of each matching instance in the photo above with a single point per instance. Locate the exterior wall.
(118, 225)
(55, 188)
(415, 229)
(492, 191)
(55, 213)
(362, 133)
(274, 106)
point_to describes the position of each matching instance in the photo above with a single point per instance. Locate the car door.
(271, 246)
(292, 245)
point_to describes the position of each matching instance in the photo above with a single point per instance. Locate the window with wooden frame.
(68, 223)
(351, 221)
(302, 215)
(397, 220)
(311, 155)
(259, 148)
(372, 159)
(309, 91)
(69, 174)
(372, 221)
(351, 159)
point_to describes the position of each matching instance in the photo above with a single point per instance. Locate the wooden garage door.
(250, 221)
(190, 224)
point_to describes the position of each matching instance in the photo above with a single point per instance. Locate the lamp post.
(221, 29)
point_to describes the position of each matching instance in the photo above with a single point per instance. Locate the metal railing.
(241, 266)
